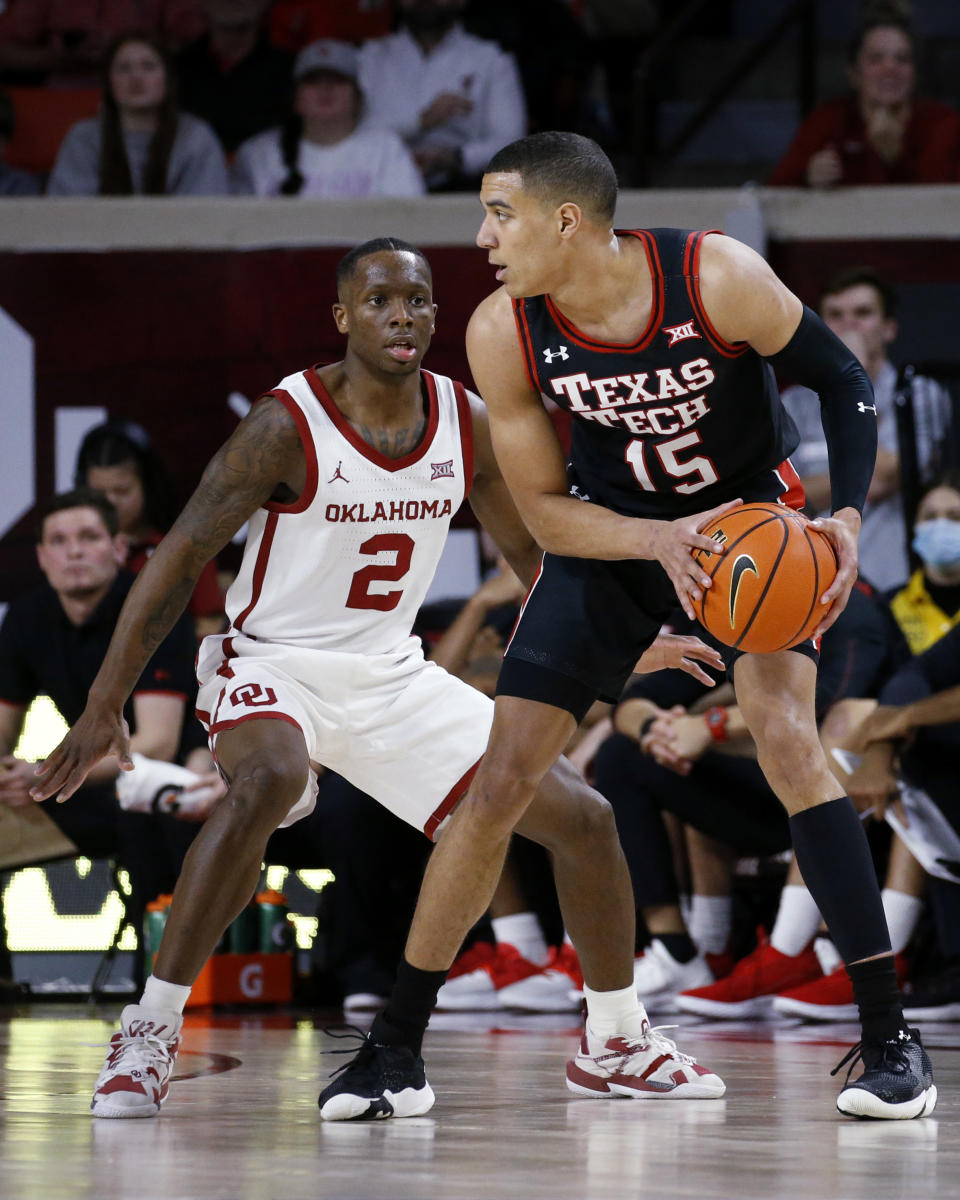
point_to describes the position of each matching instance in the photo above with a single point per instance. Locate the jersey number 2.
(400, 544)
(702, 469)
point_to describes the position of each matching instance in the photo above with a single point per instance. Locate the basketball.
(766, 586)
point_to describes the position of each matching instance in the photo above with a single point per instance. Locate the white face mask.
(938, 542)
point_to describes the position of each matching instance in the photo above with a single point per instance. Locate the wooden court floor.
(242, 1123)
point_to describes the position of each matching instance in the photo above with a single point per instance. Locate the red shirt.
(931, 146)
(207, 599)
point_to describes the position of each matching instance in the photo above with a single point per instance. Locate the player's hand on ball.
(683, 653)
(842, 529)
(674, 544)
(97, 733)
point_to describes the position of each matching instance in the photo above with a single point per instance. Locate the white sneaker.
(136, 1076)
(659, 978)
(640, 1062)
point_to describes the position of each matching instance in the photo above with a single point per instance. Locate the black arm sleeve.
(936, 670)
(818, 359)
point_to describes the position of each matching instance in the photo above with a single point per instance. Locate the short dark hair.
(82, 497)
(347, 266)
(558, 167)
(857, 277)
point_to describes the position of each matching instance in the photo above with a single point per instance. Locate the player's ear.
(340, 318)
(433, 326)
(570, 218)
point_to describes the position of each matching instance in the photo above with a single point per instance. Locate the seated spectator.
(454, 98)
(232, 77)
(860, 308)
(64, 43)
(140, 144)
(13, 182)
(883, 132)
(118, 459)
(296, 23)
(323, 149)
(914, 736)
(52, 642)
(668, 756)
(929, 605)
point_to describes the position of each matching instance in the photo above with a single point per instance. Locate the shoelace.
(356, 1034)
(892, 1058)
(132, 1052)
(656, 1038)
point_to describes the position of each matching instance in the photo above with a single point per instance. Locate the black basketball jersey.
(678, 421)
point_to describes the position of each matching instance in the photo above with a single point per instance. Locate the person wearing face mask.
(882, 132)
(929, 605)
(859, 306)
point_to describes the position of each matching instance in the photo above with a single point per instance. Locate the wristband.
(716, 722)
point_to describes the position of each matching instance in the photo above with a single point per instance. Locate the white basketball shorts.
(399, 728)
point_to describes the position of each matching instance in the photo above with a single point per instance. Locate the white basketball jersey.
(346, 567)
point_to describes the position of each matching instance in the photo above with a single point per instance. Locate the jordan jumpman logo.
(338, 474)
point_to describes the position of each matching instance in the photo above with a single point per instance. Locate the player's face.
(387, 312)
(519, 234)
(77, 553)
(856, 316)
(122, 487)
(883, 72)
(138, 78)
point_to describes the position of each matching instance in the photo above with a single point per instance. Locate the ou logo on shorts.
(253, 694)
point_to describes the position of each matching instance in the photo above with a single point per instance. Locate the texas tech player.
(656, 342)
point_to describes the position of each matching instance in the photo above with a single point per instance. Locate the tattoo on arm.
(161, 618)
(264, 452)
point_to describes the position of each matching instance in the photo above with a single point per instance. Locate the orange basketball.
(767, 584)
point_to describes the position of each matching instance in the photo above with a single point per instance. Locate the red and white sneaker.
(469, 986)
(639, 1062)
(136, 1076)
(555, 987)
(749, 989)
(829, 998)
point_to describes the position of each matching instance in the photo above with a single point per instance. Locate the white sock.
(168, 997)
(523, 931)
(606, 1010)
(902, 912)
(798, 919)
(711, 918)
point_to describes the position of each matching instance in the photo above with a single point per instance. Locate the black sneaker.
(897, 1080)
(381, 1081)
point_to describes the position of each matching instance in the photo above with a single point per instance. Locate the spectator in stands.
(455, 99)
(323, 149)
(118, 459)
(13, 182)
(52, 642)
(65, 42)
(669, 755)
(914, 735)
(860, 307)
(296, 23)
(883, 132)
(140, 144)
(233, 77)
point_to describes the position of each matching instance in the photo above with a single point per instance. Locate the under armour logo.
(562, 354)
(338, 474)
(442, 470)
(861, 407)
(253, 694)
(680, 333)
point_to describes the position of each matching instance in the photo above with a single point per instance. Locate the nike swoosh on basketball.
(742, 564)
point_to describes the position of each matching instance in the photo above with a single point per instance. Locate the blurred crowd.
(349, 98)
